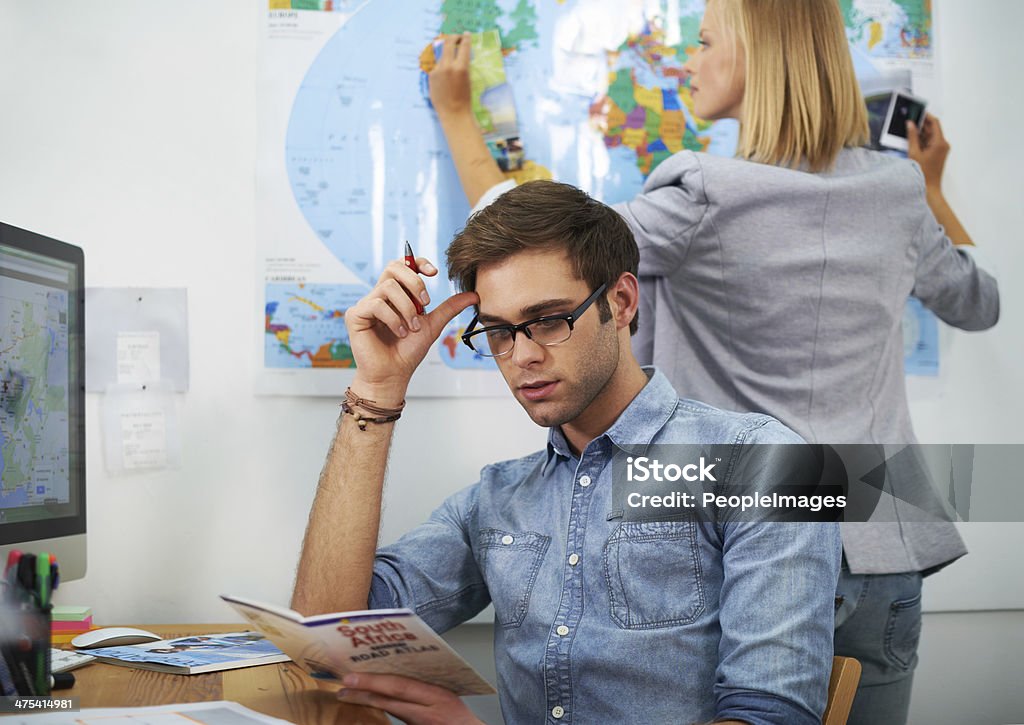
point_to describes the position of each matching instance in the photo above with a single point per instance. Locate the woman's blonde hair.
(802, 104)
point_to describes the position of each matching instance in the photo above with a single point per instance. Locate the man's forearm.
(390, 333)
(477, 169)
(336, 565)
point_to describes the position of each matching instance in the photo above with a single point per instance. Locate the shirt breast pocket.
(654, 574)
(510, 562)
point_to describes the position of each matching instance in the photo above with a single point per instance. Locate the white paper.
(140, 428)
(136, 336)
(219, 712)
(143, 439)
(138, 357)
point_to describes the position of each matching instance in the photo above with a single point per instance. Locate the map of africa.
(601, 100)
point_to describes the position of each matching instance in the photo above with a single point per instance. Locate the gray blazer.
(773, 290)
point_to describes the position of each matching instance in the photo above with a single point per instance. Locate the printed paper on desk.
(207, 713)
(195, 654)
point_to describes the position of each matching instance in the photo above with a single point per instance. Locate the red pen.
(410, 262)
(13, 556)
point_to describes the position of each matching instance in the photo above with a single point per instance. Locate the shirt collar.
(646, 414)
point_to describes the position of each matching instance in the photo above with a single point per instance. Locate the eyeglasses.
(548, 330)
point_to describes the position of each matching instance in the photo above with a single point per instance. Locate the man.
(598, 618)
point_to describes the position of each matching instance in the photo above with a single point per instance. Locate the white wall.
(981, 385)
(129, 128)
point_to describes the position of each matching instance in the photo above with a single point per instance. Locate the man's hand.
(928, 147)
(411, 701)
(449, 80)
(389, 340)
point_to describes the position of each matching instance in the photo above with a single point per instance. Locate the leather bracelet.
(362, 420)
(384, 415)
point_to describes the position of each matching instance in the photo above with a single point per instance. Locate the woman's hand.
(449, 80)
(928, 147)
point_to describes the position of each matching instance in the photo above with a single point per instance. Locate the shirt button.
(562, 631)
(507, 539)
(574, 559)
(557, 712)
(584, 481)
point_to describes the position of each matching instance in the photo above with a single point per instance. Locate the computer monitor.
(42, 398)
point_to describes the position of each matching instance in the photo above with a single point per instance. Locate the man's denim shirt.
(604, 621)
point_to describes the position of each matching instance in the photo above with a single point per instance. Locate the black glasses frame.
(523, 327)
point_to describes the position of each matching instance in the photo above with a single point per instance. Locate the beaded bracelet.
(385, 415)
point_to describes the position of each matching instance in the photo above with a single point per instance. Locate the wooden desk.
(280, 690)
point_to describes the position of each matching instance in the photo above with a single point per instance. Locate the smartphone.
(902, 108)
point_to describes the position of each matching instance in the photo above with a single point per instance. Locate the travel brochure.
(382, 641)
(196, 654)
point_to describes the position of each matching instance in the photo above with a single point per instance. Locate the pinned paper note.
(138, 357)
(143, 439)
(136, 336)
(140, 428)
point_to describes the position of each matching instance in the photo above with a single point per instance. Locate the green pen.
(43, 578)
(43, 655)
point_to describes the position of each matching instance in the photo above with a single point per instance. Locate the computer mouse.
(113, 637)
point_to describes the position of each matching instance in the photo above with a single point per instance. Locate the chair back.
(842, 686)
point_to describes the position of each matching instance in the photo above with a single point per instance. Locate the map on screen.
(34, 379)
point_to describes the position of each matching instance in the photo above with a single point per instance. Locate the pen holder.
(24, 644)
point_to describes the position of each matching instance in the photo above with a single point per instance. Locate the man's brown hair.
(547, 215)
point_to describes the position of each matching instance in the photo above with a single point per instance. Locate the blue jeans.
(878, 621)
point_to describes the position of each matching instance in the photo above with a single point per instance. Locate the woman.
(776, 281)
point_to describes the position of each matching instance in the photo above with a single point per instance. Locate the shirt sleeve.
(981, 258)
(777, 613)
(949, 282)
(491, 195)
(667, 213)
(432, 570)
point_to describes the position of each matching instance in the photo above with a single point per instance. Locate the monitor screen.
(42, 398)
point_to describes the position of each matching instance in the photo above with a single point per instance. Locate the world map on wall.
(601, 100)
